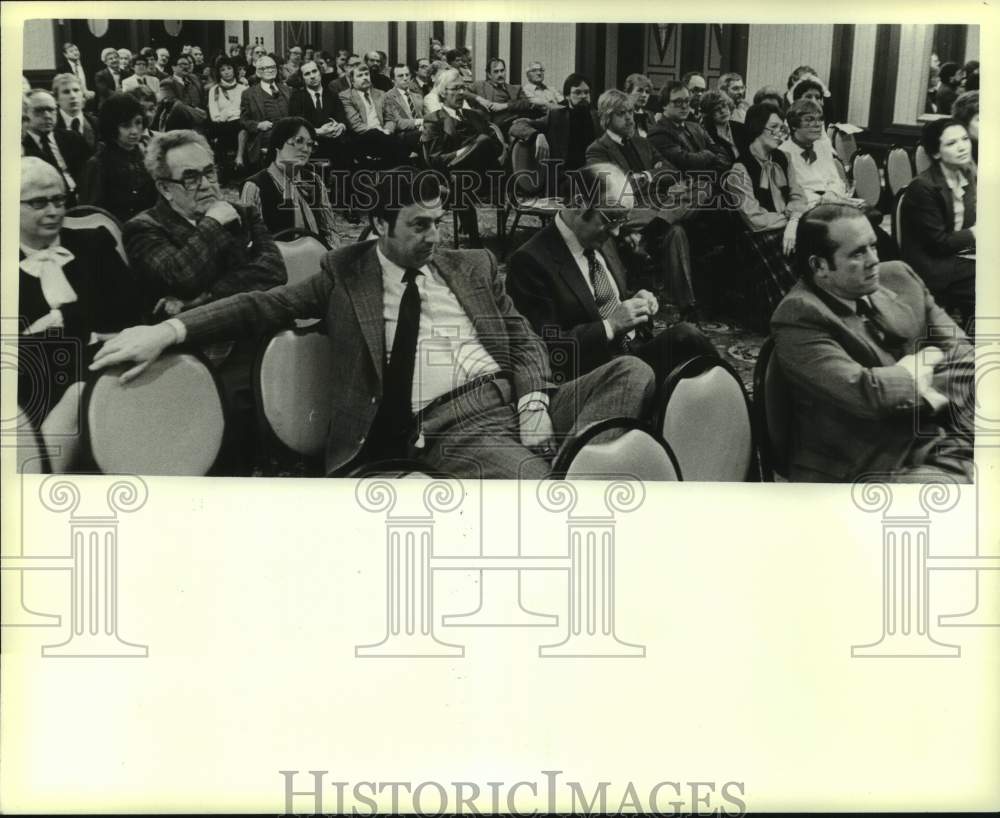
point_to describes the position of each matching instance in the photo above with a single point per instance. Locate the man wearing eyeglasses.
(261, 106)
(685, 144)
(192, 246)
(570, 283)
(65, 150)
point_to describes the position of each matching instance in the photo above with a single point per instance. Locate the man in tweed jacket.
(476, 399)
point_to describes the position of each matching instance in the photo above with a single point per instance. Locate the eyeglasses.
(684, 102)
(777, 130)
(612, 222)
(267, 68)
(41, 202)
(301, 142)
(811, 120)
(191, 179)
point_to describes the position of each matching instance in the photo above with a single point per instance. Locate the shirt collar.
(392, 270)
(955, 179)
(572, 242)
(615, 138)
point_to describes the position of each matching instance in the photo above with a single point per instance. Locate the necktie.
(809, 155)
(540, 86)
(46, 265)
(75, 126)
(398, 389)
(317, 101)
(142, 80)
(368, 100)
(604, 294)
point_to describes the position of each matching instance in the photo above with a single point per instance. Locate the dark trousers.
(672, 347)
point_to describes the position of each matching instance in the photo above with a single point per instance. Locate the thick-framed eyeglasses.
(777, 130)
(41, 202)
(302, 142)
(811, 120)
(191, 179)
(612, 222)
(683, 102)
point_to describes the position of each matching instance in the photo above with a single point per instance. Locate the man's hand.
(138, 345)
(629, 314)
(264, 125)
(389, 127)
(788, 239)
(541, 147)
(651, 302)
(222, 212)
(536, 428)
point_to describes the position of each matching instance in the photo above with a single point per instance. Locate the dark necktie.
(632, 156)
(47, 153)
(604, 293)
(318, 100)
(75, 126)
(397, 400)
(809, 155)
(142, 81)
(406, 101)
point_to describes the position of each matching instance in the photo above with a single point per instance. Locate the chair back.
(522, 158)
(921, 161)
(845, 146)
(898, 170)
(89, 217)
(168, 420)
(897, 219)
(772, 405)
(32, 455)
(294, 390)
(634, 454)
(302, 252)
(704, 414)
(867, 184)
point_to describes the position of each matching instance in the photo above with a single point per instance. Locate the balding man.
(569, 282)
(535, 90)
(66, 151)
(261, 106)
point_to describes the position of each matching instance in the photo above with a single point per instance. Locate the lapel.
(563, 262)
(363, 285)
(944, 192)
(616, 151)
(895, 320)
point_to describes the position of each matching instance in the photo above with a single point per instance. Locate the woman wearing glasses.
(72, 288)
(768, 209)
(716, 119)
(287, 193)
(115, 178)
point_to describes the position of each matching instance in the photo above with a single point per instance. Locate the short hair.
(807, 84)
(221, 61)
(712, 101)
(60, 81)
(574, 80)
(402, 187)
(148, 52)
(946, 73)
(180, 57)
(971, 69)
(143, 93)
(669, 87)
(799, 73)
(325, 56)
(801, 108)
(770, 93)
(399, 65)
(68, 46)
(930, 134)
(170, 84)
(757, 116)
(451, 55)
(493, 61)
(612, 102)
(633, 81)
(140, 57)
(116, 110)
(163, 142)
(812, 238)
(687, 77)
(283, 130)
(36, 169)
(728, 79)
(966, 107)
(31, 93)
(106, 52)
(353, 70)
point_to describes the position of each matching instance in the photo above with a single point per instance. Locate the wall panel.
(555, 45)
(774, 50)
(911, 81)
(39, 45)
(371, 37)
(859, 106)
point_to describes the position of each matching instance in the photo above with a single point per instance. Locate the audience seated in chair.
(405, 107)
(225, 131)
(640, 89)
(536, 91)
(325, 112)
(66, 151)
(857, 341)
(261, 105)
(372, 134)
(683, 142)
(173, 115)
(72, 287)
(503, 101)
(70, 98)
(733, 86)
(716, 117)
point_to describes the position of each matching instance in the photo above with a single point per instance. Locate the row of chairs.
(876, 185)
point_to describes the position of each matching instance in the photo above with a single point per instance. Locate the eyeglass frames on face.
(682, 102)
(302, 142)
(41, 202)
(613, 223)
(777, 130)
(191, 179)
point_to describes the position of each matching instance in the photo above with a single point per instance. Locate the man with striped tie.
(70, 64)
(70, 98)
(140, 65)
(65, 150)
(569, 282)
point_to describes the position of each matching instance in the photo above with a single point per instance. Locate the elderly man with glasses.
(261, 106)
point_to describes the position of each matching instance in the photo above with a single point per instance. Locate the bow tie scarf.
(772, 178)
(47, 266)
(809, 155)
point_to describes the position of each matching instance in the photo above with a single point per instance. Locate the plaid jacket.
(174, 257)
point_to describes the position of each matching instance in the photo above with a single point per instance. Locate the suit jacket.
(152, 83)
(257, 106)
(549, 290)
(853, 407)
(301, 103)
(605, 149)
(88, 129)
(104, 84)
(394, 109)
(443, 135)
(173, 257)
(72, 146)
(688, 146)
(63, 67)
(180, 116)
(192, 92)
(930, 243)
(347, 294)
(556, 127)
(354, 108)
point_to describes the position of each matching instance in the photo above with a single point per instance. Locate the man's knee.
(688, 336)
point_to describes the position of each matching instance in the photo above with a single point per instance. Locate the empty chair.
(636, 454)
(526, 201)
(295, 394)
(87, 217)
(921, 160)
(704, 415)
(898, 170)
(845, 146)
(867, 183)
(772, 407)
(169, 420)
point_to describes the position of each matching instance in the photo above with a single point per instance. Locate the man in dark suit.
(70, 98)
(173, 115)
(569, 282)
(853, 340)
(64, 150)
(70, 64)
(474, 400)
(404, 107)
(682, 142)
(190, 91)
(108, 79)
(161, 68)
(563, 135)
(261, 106)
(665, 202)
(380, 81)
